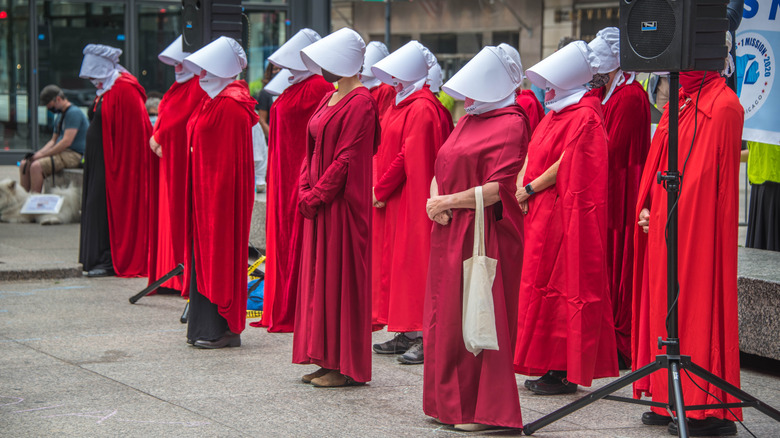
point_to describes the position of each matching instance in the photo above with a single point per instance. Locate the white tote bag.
(479, 319)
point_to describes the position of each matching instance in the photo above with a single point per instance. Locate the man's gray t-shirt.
(74, 119)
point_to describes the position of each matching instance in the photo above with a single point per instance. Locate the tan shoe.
(311, 376)
(473, 427)
(334, 379)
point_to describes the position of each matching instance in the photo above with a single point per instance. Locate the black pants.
(204, 323)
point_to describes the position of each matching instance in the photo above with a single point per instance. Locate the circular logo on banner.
(755, 71)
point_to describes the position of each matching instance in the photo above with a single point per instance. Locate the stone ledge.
(759, 302)
(64, 178)
(40, 274)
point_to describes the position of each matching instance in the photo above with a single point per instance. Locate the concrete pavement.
(76, 359)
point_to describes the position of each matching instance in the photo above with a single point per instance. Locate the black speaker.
(203, 21)
(673, 35)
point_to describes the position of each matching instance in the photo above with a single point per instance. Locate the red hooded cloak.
(126, 133)
(220, 195)
(707, 249)
(565, 315)
(411, 134)
(528, 101)
(168, 182)
(627, 119)
(288, 118)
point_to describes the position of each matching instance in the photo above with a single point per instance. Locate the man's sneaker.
(398, 345)
(414, 355)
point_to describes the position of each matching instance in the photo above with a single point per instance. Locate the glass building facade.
(41, 43)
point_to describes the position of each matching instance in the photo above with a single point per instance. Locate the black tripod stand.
(672, 361)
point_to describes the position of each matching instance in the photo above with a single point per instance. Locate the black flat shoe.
(553, 383)
(100, 272)
(710, 426)
(229, 339)
(652, 419)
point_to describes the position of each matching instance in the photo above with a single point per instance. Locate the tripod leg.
(733, 390)
(174, 272)
(186, 313)
(679, 403)
(596, 395)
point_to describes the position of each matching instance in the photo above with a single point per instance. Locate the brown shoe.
(311, 376)
(334, 379)
(473, 427)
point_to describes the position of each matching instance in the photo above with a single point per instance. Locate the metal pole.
(33, 89)
(387, 25)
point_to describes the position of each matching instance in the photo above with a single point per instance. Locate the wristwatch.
(529, 190)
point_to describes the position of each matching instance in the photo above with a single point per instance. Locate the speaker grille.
(646, 15)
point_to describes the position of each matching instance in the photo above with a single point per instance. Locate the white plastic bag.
(479, 318)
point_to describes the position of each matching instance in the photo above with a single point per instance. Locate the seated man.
(66, 146)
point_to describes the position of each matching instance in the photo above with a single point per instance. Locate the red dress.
(288, 118)
(412, 132)
(707, 250)
(445, 115)
(627, 119)
(458, 386)
(333, 315)
(126, 133)
(533, 108)
(220, 195)
(565, 314)
(169, 182)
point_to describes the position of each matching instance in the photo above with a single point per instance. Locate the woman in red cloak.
(565, 329)
(627, 120)
(115, 201)
(710, 134)
(412, 132)
(220, 195)
(333, 316)
(486, 149)
(168, 186)
(289, 116)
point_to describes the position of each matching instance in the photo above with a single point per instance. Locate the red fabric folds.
(533, 108)
(707, 249)
(385, 98)
(333, 314)
(168, 182)
(220, 195)
(458, 386)
(412, 132)
(627, 120)
(288, 118)
(447, 125)
(126, 133)
(565, 314)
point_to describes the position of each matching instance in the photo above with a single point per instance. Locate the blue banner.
(757, 41)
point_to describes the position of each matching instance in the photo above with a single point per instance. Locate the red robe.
(627, 119)
(458, 386)
(528, 101)
(333, 315)
(412, 132)
(220, 196)
(385, 98)
(126, 133)
(565, 315)
(288, 118)
(707, 250)
(168, 182)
